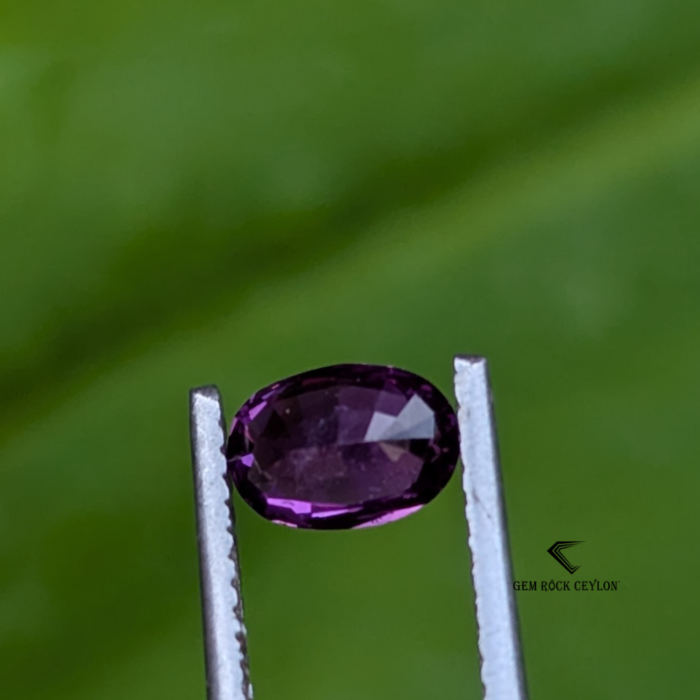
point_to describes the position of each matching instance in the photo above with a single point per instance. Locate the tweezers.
(226, 655)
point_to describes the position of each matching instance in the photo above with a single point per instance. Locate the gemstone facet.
(343, 447)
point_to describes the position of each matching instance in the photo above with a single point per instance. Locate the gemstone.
(343, 447)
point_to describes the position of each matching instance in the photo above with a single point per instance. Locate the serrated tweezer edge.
(502, 673)
(226, 657)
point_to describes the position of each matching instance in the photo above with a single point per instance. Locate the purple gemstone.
(343, 446)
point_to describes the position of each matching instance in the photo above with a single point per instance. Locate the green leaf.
(217, 193)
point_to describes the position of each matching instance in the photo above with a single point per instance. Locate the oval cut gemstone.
(343, 447)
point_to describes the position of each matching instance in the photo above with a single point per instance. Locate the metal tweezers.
(226, 656)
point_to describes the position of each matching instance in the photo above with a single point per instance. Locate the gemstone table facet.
(343, 447)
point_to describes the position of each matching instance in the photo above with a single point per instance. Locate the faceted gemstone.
(343, 446)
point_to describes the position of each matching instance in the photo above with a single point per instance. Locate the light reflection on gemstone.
(415, 421)
(390, 517)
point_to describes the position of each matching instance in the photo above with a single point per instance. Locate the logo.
(555, 551)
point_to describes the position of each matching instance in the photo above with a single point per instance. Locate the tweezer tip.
(208, 391)
(469, 360)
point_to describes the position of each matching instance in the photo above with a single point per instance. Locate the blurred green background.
(234, 192)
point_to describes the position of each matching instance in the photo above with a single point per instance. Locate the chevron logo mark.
(555, 551)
